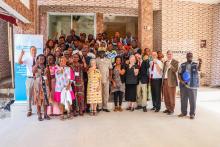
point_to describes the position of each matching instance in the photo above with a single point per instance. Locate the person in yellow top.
(94, 90)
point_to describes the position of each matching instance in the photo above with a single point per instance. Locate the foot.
(129, 108)
(62, 117)
(29, 114)
(192, 117)
(138, 107)
(116, 109)
(98, 110)
(46, 117)
(120, 109)
(153, 109)
(94, 113)
(40, 118)
(145, 109)
(132, 109)
(106, 110)
(170, 113)
(166, 111)
(157, 110)
(181, 115)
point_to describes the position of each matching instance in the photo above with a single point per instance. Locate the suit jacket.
(171, 73)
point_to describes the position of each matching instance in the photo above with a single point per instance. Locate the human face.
(154, 55)
(50, 60)
(147, 51)
(93, 64)
(132, 59)
(134, 44)
(99, 37)
(169, 55)
(110, 47)
(189, 57)
(117, 34)
(102, 54)
(41, 59)
(63, 61)
(33, 51)
(118, 61)
(50, 43)
(70, 50)
(75, 58)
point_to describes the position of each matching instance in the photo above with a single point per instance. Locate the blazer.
(171, 73)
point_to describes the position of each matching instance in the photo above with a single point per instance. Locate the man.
(143, 79)
(128, 38)
(135, 48)
(111, 53)
(29, 61)
(189, 83)
(105, 67)
(156, 67)
(170, 82)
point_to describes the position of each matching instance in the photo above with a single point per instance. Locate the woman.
(94, 95)
(64, 77)
(51, 68)
(41, 88)
(131, 80)
(118, 83)
(78, 69)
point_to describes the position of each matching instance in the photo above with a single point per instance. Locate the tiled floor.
(126, 129)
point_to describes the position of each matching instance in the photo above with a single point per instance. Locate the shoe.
(192, 117)
(40, 118)
(166, 111)
(132, 109)
(46, 117)
(99, 110)
(153, 109)
(129, 108)
(29, 114)
(120, 109)
(170, 113)
(138, 108)
(106, 110)
(116, 109)
(181, 115)
(145, 109)
(157, 110)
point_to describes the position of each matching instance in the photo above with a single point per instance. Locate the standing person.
(170, 82)
(64, 77)
(29, 61)
(41, 88)
(57, 55)
(78, 69)
(156, 67)
(105, 67)
(111, 53)
(128, 38)
(118, 86)
(135, 49)
(131, 79)
(143, 80)
(94, 91)
(189, 83)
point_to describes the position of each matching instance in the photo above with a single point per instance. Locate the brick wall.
(215, 70)
(157, 30)
(5, 68)
(184, 24)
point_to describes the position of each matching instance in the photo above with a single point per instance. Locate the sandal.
(91, 112)
(94, 113)
(62, 117)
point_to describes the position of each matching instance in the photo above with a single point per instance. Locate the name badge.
(76, 74)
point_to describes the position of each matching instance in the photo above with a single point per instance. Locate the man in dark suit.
(169, 82)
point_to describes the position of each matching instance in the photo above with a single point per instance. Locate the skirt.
(130, 92)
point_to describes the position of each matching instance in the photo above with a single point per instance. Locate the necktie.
(34, 61)
(152, 69)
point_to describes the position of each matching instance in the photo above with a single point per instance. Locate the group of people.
(77, 74)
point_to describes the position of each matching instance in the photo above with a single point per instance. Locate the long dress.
(38, 87)
(63, 75)
(94, 95)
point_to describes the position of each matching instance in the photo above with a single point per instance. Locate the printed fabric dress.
(38, 87)
(93, 94)
(63, 75)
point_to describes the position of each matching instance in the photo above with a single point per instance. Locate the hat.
(100, 49)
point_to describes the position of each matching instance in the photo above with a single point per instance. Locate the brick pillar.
(99, 23)
(145, 23)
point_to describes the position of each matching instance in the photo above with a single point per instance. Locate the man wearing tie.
(170, 82)
(156, 67)
(29, 61)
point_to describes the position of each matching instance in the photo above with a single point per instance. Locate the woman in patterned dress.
(78, 69)
(64, 77)
(41, 88)
(94, 93)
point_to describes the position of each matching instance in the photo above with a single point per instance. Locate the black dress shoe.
(192, 117)
(129, 108)
(138, 107)
(132, 109)
(166, 111)
(153, 109)
(145, 109)
(170, 113)
(98, 110)
(106, 110)
(157, 110)
(181, 115)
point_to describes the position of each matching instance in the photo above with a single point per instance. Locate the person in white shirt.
(29, 61)
(156, 67)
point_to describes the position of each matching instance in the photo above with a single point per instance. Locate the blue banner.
(24, 42)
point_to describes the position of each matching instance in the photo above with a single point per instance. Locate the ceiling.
(204, 1)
